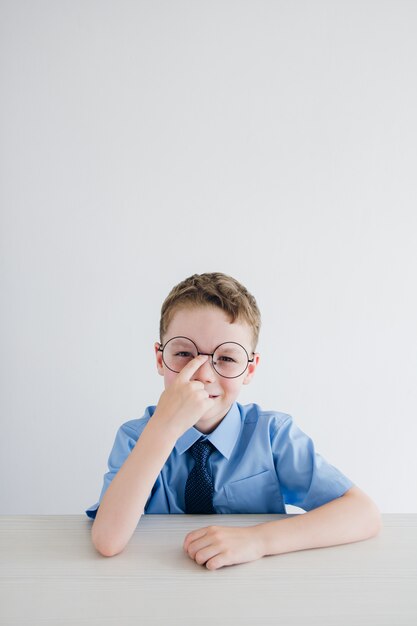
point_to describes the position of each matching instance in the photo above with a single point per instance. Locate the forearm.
(124, 501)
(352, 517)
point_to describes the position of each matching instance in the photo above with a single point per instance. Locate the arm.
(179, 407)
(352, 517)
(124, 501)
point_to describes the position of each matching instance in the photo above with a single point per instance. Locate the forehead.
(208, 326)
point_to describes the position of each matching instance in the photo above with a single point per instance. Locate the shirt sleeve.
(126, 438)
(307, 480)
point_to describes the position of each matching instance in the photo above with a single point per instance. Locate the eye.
(183, 353)
(226, 359)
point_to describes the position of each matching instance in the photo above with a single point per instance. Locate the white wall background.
(142, 142)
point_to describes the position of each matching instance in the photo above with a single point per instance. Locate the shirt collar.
(224, 437)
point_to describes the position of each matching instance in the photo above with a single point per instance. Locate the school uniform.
(261, 462)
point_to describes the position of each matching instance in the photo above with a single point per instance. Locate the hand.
(217, 546)
(185, 401)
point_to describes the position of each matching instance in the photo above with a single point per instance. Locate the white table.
(50, 573)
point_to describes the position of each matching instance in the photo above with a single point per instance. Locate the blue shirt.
(261, 462)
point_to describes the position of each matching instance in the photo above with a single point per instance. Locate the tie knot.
(201, 450)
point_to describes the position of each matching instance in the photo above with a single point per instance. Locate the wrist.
(261, 538)
(166, 427)
(273, 536)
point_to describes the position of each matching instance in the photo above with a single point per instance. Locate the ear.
(251, 368)
(159, 362)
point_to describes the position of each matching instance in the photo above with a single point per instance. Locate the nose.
(205, 372)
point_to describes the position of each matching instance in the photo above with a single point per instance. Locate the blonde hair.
(212, 289)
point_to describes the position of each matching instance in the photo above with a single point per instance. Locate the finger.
(199, 388)
(193, 535)
(191, 367)
(199, 544)
(207, 553)
(217, 562)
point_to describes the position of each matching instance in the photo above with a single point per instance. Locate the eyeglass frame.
(162, 348)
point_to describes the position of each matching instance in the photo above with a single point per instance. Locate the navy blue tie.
(199, 485)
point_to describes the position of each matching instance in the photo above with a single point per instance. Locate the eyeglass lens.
(229, 360)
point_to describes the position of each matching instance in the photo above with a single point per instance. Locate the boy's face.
(208, 327)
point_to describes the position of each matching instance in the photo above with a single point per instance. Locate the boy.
(199, 451)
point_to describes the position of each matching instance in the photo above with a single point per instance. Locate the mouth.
(213, 396)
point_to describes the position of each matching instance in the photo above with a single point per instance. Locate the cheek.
(169, 377)
(231, 387)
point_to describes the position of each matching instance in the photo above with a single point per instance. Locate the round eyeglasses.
(229, 359)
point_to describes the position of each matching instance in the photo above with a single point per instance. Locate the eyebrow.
(211, 351)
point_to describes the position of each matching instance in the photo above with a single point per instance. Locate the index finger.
(191, 367)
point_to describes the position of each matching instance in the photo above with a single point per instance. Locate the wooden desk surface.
(50, 573)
